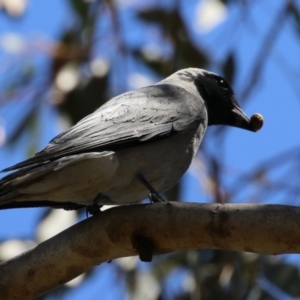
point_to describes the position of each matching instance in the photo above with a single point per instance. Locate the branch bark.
(169, 227)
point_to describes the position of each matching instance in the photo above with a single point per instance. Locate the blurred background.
(62, 59)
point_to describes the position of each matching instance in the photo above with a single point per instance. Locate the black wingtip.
(41, 204)
(14, 167)
(26, 163)
(8, 169)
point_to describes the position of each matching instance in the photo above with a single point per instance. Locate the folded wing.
(140, 116)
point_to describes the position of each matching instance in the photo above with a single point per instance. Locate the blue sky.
(273, 97)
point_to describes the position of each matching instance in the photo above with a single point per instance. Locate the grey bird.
(138, 142)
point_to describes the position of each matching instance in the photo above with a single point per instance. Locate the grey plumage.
(154, 131)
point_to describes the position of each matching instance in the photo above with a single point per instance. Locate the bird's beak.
(240, 119)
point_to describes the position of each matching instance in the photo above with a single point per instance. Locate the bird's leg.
(154, 196)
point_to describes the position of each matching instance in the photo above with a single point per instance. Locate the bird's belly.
(162, 163)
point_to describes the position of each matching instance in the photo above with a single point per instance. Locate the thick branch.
(169, 227)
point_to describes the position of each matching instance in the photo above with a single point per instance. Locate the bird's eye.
(223, 84)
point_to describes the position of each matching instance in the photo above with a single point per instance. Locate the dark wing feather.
(53, 204)
(143, 115)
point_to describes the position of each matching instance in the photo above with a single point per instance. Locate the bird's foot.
(156, 197)
(94, 208)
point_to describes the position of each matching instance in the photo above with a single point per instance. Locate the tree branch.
(167, 227)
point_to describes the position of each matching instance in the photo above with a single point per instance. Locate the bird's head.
(222, 107)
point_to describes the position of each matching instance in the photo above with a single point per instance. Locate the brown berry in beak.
(257, 121)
